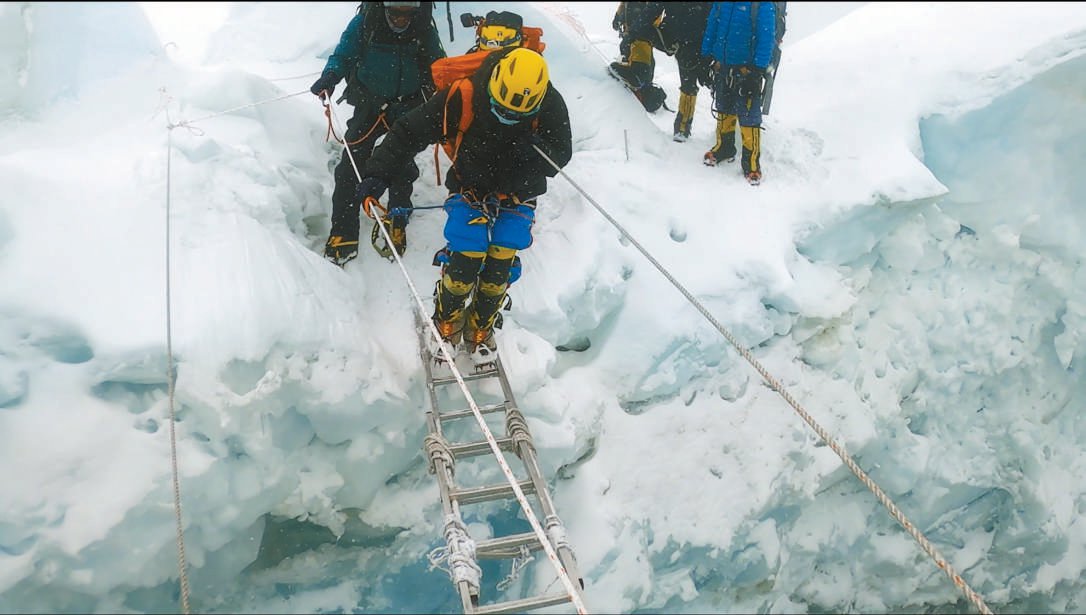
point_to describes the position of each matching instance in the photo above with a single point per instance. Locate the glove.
(370, 187)
(326, 83)
(616, 23)
(750, 83)
(706, 74)
(523, 150)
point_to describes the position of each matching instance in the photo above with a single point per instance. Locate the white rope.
(519, 562)
(170, 370)
(566, 16)
(574, 595)
(459, 554)
(516, 427)
(295, 77)
(437, 448)
(181, 564)
(885, 500)
(556, 532)
(188, 123)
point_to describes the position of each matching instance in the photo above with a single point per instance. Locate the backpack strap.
(463, 88)
(753, 27)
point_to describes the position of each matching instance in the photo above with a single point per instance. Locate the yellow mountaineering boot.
(450, 331)
(480, 345)
(397, 231)
(752, 153)
(340, 249)
(684, 117)
(724, 148)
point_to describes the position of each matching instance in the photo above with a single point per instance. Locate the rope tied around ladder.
(556, 532)
(517, 428)
(437, 448)
(459, 554)
(524, 558)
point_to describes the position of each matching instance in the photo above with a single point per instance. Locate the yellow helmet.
(496, 37)
(499, 29)
(519, 81)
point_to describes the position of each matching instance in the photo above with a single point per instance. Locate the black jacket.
(492, 157)
(684, 24)
(637, 20)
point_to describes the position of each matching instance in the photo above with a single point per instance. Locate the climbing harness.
(381, 120)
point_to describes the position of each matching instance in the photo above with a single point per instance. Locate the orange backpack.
(533, 38)
(447, 70)
(455, 71)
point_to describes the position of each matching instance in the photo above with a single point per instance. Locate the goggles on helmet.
(509, 117)
(399, 18)
(496, 37)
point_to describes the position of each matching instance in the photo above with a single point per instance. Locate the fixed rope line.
(575, 24)
(774, 384)
(182, 566)
(552, 555)
(295, 77)
(171, 387)
(238, 108)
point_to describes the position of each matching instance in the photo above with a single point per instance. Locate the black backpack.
(775, 59)
(651, 96)
(426, 11)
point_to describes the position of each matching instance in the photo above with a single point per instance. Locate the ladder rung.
(482, 447)
(475, 495)
(459, 414)
(490, 373)
(506, 547)
(518, 606)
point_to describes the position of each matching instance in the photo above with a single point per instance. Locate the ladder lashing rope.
(458, 555)
(437, 449)
(556, 532)
(517, 429)
(519, 562)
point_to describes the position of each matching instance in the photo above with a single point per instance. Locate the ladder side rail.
(527, 454)
(550, 538)
(469, 599)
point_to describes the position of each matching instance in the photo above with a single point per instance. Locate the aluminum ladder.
(475, 453)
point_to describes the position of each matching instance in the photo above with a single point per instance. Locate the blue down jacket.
(731, 40)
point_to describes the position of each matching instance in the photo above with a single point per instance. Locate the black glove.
(704, 71)
(750, 83)
(326, 83)
(370, 187)
(616, 23)
(524, 151)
